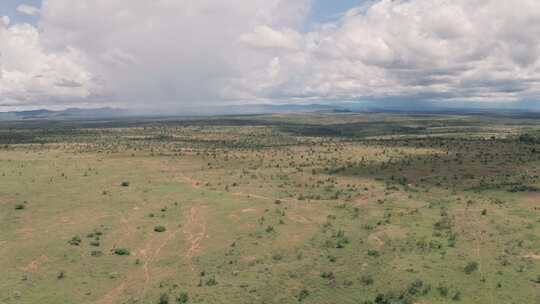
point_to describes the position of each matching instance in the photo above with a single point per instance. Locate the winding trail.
(110, 298)
(158, 241)
(151, 258)
(195, 231)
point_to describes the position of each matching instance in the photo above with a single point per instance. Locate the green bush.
(341, 239)
(164, 299)
(211, 282)
(277, 257)
(471, 267)
(443, 291)
(182, 298)
(391, 298)
(373, 253)
(160, 228)
(366, 280)
(121, 251)
(328, 275)
(418, 287)
(302, 295)
(75, 241)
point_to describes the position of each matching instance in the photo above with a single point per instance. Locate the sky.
(164, 55)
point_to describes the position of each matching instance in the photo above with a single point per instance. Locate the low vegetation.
(313, 208)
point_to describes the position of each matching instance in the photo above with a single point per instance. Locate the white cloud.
(167, 53)
(431, 49)
(4, 21)
(30, 75)
(267, 37)
(28, 10)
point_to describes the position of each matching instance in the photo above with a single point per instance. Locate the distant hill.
(99, 113)
(249, 109)
(65, 114)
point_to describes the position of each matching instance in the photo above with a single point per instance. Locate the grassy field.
(311, 208)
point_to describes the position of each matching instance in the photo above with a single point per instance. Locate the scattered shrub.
(75, 241)
(328, 275)
(164, 299)
(366, 280)
(471, 267)
(182, 298)
(121, 251)
(160, 228)
(302, 295)
(211, 282)
(443, 291)
(373, 253)
(96, 253)
(277, 257)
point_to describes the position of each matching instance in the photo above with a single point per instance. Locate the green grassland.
(311, 208)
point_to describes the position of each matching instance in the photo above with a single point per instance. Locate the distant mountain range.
(100, 113)
(64, 114)
(340, 107)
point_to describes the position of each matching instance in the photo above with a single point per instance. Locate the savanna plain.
(291, 208)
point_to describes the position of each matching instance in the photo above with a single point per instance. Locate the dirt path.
(149, 253)
(148, 259)
(127, 231)
(125, 225)
(193, 182)
(195, 231)
(35, 264)
(532, 256)
(110, 298)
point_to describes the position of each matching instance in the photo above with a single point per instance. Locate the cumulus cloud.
(167, 53)
(266, 37)
(31, 75)
(28, 10)
(4, 21)
(431, 49)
